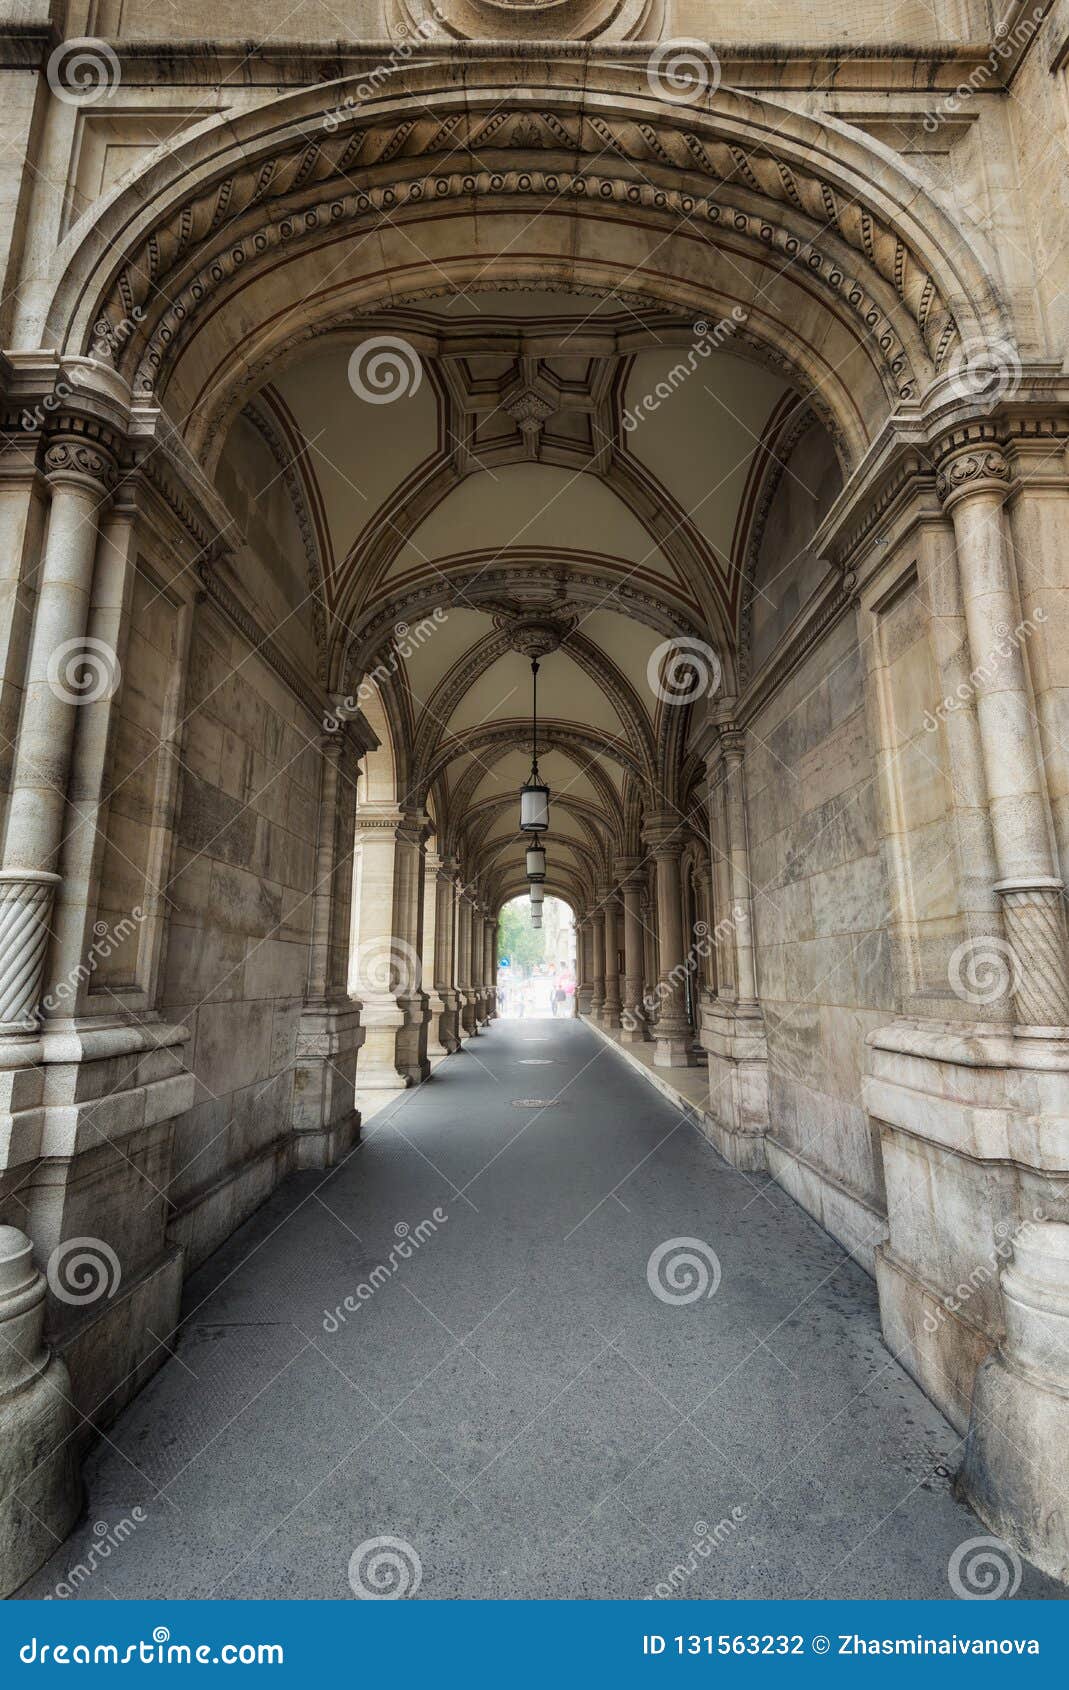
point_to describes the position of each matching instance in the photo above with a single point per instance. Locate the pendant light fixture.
(534, 796)
(538, 893)
(536, 861)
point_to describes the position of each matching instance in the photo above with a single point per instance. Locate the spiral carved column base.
(26, 899)
(1034, 918)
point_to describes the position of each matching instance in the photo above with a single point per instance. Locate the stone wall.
(823, 961)
(237, 946)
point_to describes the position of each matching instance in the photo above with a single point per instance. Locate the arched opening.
(342, 412)
(536, 975)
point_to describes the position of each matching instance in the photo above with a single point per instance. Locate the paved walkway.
(514, 1403)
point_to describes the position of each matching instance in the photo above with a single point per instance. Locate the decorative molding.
(812, 215)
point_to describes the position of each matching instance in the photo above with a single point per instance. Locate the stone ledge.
(851, 1221)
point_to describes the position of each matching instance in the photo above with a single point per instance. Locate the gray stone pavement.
(513, 1402)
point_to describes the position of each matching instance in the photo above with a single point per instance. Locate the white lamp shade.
(534, 808)
(536, 862)
(538, 894)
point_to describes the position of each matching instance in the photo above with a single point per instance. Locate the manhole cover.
(535, 1102)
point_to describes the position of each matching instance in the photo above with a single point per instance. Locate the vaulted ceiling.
(442, 477)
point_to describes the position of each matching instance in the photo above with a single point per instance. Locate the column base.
(673, 1044)
(326, 1122)
(633, 1028)
(449, 1022)
(734, 1039)
(469, 1022)
(584, 998)
(610, 1013)
(971, 1126)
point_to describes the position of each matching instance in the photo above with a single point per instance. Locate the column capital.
(664, 833)
(970, 460)
(81, 451)
(629, 873)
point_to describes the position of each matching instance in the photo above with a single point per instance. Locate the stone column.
(412, 1059)
(584, 983)
(597, 946)
(385, 967)
(491, 968)
(673, 1033)
(325, 1118)
(478, 964)
(433, 936)
(445, 953)
(79, 464)
(733, 1029)
(40, 1490)
(468, 1017)
(633, 1026)
(1015, 1457)
(610, 1009)
(973, 482)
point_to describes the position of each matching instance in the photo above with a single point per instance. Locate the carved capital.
(969, 461)
(80, 454)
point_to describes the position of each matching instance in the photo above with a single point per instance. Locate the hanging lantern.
(536, 862)
(538, 894)
(536, 919)
(534, 795)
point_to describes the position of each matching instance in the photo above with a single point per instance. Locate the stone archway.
(185, 313)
